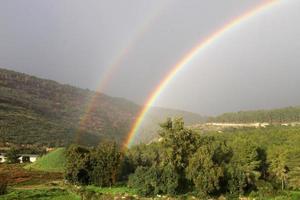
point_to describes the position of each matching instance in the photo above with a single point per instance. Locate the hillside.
(281, 115)
(39, 111)
(51, 162)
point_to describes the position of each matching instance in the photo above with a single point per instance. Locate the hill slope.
(51, 162)
(34, 110)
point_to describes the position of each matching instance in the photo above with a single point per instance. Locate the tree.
(206, 167)
(78, 165)
(243, 168)
(12, 156)
(179, 144)
(105, 164)
(278, 164)
(149, 181)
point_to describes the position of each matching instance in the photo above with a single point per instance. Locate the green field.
(111, 190)
(40, 194)
(288, 195)
(51, 162)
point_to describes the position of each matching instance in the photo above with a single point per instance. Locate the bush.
(99, 166)
(12, 156)
(154, 180)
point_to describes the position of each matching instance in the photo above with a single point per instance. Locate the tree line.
(282, 115)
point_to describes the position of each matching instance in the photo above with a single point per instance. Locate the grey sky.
(255, 65)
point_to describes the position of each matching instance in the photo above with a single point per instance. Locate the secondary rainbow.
(119, 59)
(187, 59)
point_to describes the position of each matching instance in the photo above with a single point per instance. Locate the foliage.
(205, 169)
(282, 115)
(99, 166)
(251, 161)
(105, 162)
(278, 165)
(149, 181)
(179, 143)
(77, 165)
(39, 111)
(243, 168)
(12, 156)
(51, 162)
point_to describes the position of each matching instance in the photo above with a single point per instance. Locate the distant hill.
(273, 116)
(39, 111)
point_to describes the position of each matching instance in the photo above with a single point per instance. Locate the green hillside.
(39, 111)
(282, 115)
(51, 162)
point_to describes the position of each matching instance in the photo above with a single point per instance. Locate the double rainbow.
(187, 59)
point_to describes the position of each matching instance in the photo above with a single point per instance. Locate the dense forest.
(39, 111)
(259, 163)
(282, 115)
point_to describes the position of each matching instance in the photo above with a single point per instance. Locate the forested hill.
(34, 110)
(282, 115)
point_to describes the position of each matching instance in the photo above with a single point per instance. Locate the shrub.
(12, 156)
(154, 180)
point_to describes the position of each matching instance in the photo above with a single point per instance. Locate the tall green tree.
(105, 164)
(243, 168)
(205, 171)
(278, 164)
(180, 144)
(78, 165)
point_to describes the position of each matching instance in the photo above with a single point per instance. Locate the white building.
(30, 157)
(23, 157)
(2, 158)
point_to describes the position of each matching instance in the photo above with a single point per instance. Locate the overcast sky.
(255, 65)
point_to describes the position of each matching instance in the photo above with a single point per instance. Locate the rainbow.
(185, 60)
(119, 59)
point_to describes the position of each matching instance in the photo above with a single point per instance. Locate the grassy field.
(111, 190)
(51, 162)
(40, 194)
(290, 195)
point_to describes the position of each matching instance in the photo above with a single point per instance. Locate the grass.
(51, 162)
(289, 195)
(284, 195)
(40, 194)
(111, 190)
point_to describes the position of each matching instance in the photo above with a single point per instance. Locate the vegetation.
(111, 190)
(40, 194)
(3, 184)
(283, 115)
(51, 162)
(44, 112)
(12, 156)
(98, 166)
(260, 163)
(251, 162)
